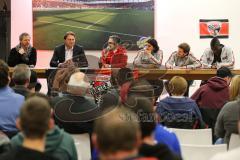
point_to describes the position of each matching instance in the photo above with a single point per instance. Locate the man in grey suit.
(69, 53)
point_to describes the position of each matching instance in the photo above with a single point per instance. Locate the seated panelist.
(150, 56)
(114, 55)
(182, 59)
(217, 56)
(23, 53)
(69, 53)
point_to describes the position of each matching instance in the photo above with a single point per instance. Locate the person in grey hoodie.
(228, 117)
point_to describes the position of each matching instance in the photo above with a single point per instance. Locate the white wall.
(178, 21)
(21, 19)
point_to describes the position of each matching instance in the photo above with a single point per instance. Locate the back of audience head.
(117, 131)
(62, 77)
(177, 86)
(142, 88)
(34, 119)
(225, 73)
(144, 110)
(235, 88)
(21, 75)
(124, 75)
(157, 87)
(4, 74)
(78, 84)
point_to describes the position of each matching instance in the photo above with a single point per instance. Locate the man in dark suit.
(69, 53)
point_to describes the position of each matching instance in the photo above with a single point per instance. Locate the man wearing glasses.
(114, 55)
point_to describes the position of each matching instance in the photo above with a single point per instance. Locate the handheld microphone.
(106, 51)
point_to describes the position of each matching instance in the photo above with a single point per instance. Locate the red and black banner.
(210, 28)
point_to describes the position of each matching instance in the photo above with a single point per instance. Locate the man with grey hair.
(23, 53)
(78, 102)
(21, 78)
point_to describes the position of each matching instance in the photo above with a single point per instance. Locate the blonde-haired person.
(177, 111)
(228, 117)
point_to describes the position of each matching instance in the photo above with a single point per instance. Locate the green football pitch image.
(92, 26)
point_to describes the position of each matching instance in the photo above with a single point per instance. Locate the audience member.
(114, 55)
(58, 83)
(23, 53)
(217, 56)
(177, 111)
(21, 78)
(78, 102)
(213, 95)
(34, 128)
(143, 108)
(69, 53)
(228, 117)
(142, 89)
(124, 80)
(150, 56)
(10, 103)
(58, 143)
(5, 145)
(232, 154)
(116, 136)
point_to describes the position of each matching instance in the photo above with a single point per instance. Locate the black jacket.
(77, 106)
(22, 153)
(21, 90)
(159, 151)
(16, 58)
(78, 56)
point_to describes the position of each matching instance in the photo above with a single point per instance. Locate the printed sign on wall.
(214, 28)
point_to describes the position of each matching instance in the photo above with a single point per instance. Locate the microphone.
(106, 51)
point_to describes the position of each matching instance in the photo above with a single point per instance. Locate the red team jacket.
(117, 58)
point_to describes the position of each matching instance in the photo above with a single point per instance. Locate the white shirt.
(230, 155)
(68, 53)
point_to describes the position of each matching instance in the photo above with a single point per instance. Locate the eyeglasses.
(111, 43)
(148, 45)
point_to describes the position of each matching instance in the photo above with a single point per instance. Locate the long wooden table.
(198, 74)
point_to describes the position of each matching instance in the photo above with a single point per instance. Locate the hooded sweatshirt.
(59, 144)
(180, 112)
(214, 94)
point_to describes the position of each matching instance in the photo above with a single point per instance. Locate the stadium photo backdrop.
(93, 21)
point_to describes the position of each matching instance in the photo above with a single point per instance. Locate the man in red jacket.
(215, 93)
(114, 55)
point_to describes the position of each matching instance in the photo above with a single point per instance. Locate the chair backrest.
(92, 61)
(201, 152)
(234, 141)
(82, 142)
(194, 136)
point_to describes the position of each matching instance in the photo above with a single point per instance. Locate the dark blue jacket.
(180, 113)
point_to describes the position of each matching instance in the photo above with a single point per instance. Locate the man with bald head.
(78, 103)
